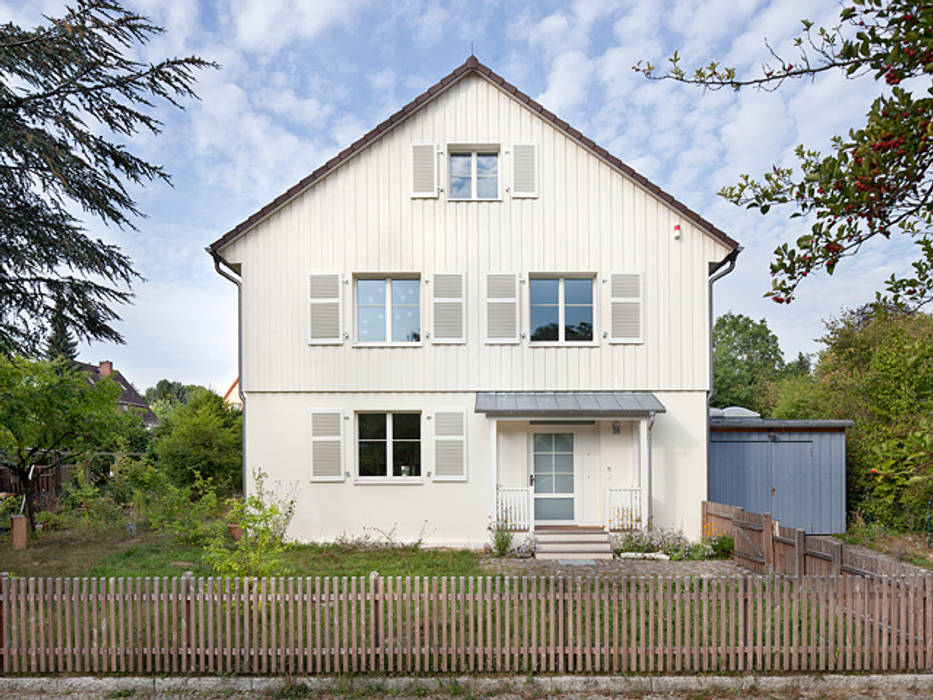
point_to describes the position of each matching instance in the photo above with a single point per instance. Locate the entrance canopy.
(567, 404)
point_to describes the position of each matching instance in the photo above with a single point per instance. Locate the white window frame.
(387, 278)
(560, 309)
(473, 151)
(387, 478)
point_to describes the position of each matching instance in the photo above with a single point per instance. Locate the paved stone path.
(615, 567)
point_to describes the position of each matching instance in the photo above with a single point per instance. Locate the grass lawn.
(118, 553)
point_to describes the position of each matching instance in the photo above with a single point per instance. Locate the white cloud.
(269, 25)
(567, 82)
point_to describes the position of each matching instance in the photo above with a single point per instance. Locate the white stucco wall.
(457, 513)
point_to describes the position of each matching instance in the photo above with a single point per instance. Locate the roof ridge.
(471, 65)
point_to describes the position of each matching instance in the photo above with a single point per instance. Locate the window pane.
(543, 291)
(544, 483)
(563, 463)
(563, 442)
(461, 164)
(406, 426)
(578, 323)
(406, 325)
(373, 458)
(487, 163)
(553, 509)
(372, 426)
(371, 292)
(405, 291)
(371, 324)
(544, 464)
(487, 188)
(544, 442)
(406, 458)
(563, 483)
(578, 291)
(544, 323)
(461, 188)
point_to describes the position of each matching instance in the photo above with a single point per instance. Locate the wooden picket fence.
(765, 546)
(466, 624)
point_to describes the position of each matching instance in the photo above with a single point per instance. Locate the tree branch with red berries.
(876, 181)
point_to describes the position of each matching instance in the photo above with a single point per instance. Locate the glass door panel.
(552, 461)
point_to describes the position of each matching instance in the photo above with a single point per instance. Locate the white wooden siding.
(587, 218)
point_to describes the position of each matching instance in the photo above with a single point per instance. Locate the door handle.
(531, 479)
(772, 489)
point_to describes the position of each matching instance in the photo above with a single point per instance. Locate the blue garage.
(793, 469)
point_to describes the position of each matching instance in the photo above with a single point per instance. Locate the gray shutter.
(449, 308)
(626, 308)
(424, 170)
(525, 170)
(324, 312)
(327, 446)
(501, 308)
(450, 446)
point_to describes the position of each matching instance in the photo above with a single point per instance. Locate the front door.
(553, 471)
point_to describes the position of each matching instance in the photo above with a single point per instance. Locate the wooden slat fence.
(763, 545)
(466, 624)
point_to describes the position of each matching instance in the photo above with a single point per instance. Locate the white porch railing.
(623, 509)
(515, 507)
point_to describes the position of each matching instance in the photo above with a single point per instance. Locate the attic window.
(474, 173)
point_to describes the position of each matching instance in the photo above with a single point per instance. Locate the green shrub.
(83, 505)
(189, 513)
(501, 538)
(722, 546)
(262, 519)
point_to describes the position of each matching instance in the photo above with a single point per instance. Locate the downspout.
(715, 274)
(729, 261)
(218, 261)
(650, 519)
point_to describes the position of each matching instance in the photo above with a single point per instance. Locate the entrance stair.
(572, 542)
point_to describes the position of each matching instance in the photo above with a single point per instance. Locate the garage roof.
(575, 404)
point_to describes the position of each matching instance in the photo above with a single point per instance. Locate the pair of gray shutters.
(448, 305)
(327, 442)
(425, 173)
(626, 308)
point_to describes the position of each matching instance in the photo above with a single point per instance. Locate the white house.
(473, 313)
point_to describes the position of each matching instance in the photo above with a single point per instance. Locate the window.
(388, 310)
(561, 309)
(389, 444)
(474, 175)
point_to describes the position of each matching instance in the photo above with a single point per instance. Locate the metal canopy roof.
(572, 404)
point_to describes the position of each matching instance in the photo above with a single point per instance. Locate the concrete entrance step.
(564, 542)
(551, 556)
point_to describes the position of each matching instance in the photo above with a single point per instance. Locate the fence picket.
(839, 623)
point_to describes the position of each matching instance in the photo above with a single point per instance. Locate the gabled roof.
(471, 65)
(129, 398)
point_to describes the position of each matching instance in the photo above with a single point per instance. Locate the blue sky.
(301, 79)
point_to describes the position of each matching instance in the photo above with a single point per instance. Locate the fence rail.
(464, 624)
(623, 508)
(515, 507)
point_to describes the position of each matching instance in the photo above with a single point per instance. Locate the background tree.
(202, 436)
(877, 370)
(44, 412)
(747, 362)
(876, 181)
(61, 344)
(64, 87)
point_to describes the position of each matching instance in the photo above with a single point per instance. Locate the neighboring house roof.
(472, 65)
(232, 397)
(129, 398)
(578, 404)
